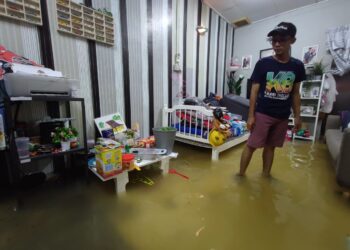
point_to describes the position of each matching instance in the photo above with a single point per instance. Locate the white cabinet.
(311, 96)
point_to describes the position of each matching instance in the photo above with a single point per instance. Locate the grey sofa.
(338, 143)
(236, 105)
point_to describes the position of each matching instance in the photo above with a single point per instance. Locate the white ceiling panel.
(255, 10)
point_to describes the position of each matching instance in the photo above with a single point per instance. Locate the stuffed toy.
(221, 129)
(220, 124)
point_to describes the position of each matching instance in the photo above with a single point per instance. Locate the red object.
(173, 171)
(11, 57)
(226, 117)
(192, 119)
(127, 160)
(128, 157)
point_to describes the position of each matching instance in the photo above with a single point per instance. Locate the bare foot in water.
(266, 175)
(240, 175)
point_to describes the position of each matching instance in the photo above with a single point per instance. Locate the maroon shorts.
(268, 131)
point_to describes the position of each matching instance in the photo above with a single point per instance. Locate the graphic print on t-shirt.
(279, 86)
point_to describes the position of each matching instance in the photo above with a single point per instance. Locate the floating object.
(147, 153)
(173, 171)
(199, 231)
(146, 180)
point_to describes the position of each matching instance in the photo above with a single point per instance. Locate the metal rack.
(13, 162)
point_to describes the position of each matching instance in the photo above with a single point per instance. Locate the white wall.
(311, 21)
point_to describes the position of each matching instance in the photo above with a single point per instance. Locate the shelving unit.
(24, 10)
(14, 163)
(79, 20)
(311, 94)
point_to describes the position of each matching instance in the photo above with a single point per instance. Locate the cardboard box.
(108, 161)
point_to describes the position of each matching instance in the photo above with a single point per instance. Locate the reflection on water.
(300, 155)
(297, 208)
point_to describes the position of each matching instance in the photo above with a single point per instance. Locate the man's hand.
(297, 123)
(251, 123)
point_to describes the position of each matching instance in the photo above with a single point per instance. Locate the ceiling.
(255, 10)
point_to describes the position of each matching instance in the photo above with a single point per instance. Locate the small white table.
(122, 179)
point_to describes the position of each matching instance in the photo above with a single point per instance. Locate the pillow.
(345, 119)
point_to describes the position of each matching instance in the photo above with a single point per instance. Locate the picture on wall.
(310, 54)
(266, 52)
(246, 62)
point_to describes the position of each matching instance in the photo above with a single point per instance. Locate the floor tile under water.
(298, 208)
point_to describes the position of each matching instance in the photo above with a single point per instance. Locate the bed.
(193, 124)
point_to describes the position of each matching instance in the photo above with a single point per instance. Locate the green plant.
(129, 133)
(318, 68)
(164, 129)
(63, 134)
(234, 87)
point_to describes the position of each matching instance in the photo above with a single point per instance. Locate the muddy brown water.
(298, 208)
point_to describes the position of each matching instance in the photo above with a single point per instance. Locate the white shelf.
(311, 138)
(312, 116)
(311, 88)
(309, 98)
(84, 22)
(28, 11)
(313, 80)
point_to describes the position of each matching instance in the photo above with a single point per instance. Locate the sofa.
(236, 105)
(338, 143)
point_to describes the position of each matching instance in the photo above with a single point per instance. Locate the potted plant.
(64, 136)
(318, 70)
(234, 87)
(74, 139)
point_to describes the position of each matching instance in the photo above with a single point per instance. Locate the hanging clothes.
(329, 93)
(338, 43)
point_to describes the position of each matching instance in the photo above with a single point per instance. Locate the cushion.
(345, 119)
(333, 139)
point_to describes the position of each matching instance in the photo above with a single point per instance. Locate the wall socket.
(177, 66)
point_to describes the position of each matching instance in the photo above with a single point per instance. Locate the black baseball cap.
(283, 29)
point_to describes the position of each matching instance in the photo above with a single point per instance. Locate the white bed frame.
(169, 117)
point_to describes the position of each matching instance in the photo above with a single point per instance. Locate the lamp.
(201, 30)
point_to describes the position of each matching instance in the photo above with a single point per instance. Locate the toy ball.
(216, 138)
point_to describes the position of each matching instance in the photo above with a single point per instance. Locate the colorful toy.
(221, 129)
(108, 160)
(173, 171)
(220, 124)
(303, 133)
(216, 138)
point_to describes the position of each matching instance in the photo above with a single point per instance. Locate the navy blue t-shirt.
(276, 81)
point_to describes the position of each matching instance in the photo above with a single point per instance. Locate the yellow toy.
(216, 138)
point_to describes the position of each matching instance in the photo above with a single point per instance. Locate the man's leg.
(275, 139)
(268, 155)
(245, 159)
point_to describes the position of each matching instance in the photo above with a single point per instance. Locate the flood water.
(298, 208)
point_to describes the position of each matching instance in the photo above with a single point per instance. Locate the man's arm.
(252, 103)
(296, 106)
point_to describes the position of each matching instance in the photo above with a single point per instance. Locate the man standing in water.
(275, 90)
